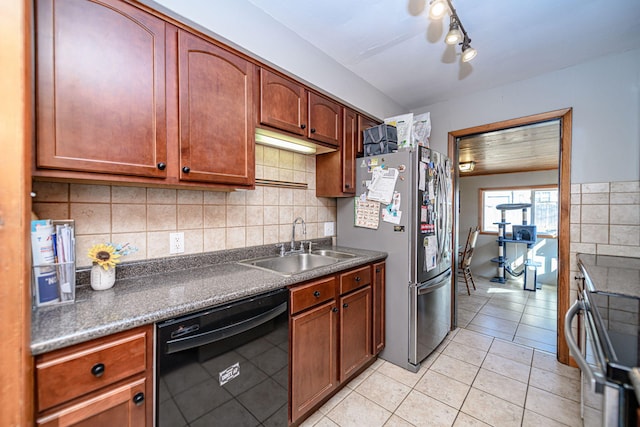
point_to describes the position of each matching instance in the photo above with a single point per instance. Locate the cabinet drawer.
(305, 296)
(72, 372)
(355, 279)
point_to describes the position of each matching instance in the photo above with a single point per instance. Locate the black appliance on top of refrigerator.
(403, 206)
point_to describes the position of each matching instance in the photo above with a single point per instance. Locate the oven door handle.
(180, 344)
(595, 378)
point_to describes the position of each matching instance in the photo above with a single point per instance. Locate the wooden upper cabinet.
(216, 101)
(348, 152)
(100, 98)
(324, 120)
(363, 123)
(283, 103)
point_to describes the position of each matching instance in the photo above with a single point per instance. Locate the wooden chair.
(464, 266)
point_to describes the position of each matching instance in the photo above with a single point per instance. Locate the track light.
(457, 33)
(438, 9)
(454, 36)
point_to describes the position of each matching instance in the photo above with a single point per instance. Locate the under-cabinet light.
(466, 166)
(273, 139)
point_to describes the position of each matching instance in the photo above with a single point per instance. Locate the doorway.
(563, 239)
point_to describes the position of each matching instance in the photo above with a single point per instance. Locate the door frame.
(564, 189)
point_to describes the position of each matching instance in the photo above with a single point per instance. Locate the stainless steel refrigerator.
(403, 206)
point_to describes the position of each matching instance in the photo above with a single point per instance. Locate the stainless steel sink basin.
(290, 264)
(332, 253)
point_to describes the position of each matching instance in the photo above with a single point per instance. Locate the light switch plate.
(176, 243)
(329, 228)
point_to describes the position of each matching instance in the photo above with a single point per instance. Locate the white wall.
(486, 246)
(604, 94)
(248, 28)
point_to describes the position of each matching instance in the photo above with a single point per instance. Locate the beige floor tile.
(471, 305)
(537, 311)
(548, 362)
(335, 400)
(356, 410)
(383, 390)
(553, 406)
(491, 409)
(465, 353)
(555, 383)
(531, 419)
(512, 351)
(422, 410)
(507, 367)
(536, 334)
(495, 323)
(396, 421)
(464, 420)
(539, 321)
(314, 419)
(443, 388)
(354, 383)
(543, 303)
(500, 386)
(454, 368)
(325, 422)
(538, 345)
(502, 313)
(402, 375)
(489, 332)
(473, 339)
(592, 417)
(507, 304)
(464, 317)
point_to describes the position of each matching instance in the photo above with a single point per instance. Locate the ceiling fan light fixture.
(437, 9)
(466, 166)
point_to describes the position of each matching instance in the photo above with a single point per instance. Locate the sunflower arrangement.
(107, 255)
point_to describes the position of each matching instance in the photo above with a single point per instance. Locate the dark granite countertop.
(612, 274)
(149, 292)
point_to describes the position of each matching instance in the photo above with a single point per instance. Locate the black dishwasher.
(225, 366)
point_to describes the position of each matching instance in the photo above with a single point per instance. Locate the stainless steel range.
(610, 335)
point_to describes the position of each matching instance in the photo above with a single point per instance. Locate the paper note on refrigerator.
(383, 183)
(430, 252)
(367, 214)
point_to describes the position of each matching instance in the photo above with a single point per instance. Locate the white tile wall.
(210, 220)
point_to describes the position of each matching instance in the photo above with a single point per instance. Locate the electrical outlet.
(176, 243)
(329, 228)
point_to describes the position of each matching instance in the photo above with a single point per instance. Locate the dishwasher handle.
(427, 289)
(595, 378)
(181, 344)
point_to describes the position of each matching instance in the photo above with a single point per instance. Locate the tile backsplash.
(210, 220)
(605, 220)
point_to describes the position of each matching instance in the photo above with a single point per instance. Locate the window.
(543, 211)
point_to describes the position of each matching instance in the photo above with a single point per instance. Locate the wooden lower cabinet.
(331, 331)
(314, 350)
(104, 382)
(378, 286)
(355, 331)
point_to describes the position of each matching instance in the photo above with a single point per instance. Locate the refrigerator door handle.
(426, 289)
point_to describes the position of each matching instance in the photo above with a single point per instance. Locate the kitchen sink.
(290, 264)
(332, 253)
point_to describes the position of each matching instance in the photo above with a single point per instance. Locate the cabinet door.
(348, 151)
(324, 120)
(216, 113)
(363, 123)
(100, 88)
(378, 306)
(124, 406)
(313, 369)
(355, 331)
(283, 103)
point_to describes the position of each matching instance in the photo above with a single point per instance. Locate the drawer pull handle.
(345, 305)
(97, 370)
(357, 279)
(316, 294)
(138, 398)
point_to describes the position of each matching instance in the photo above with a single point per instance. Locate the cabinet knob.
(313, 130)
(345, 305)
(303, 126)
(377, 270)
(138, 398)
(186, 169)
(97, 370)
(162, 166)
(316, 294)
(347, 186)
(334, 309)
(357, 279)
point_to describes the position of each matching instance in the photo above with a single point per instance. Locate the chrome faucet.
(293, 233)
